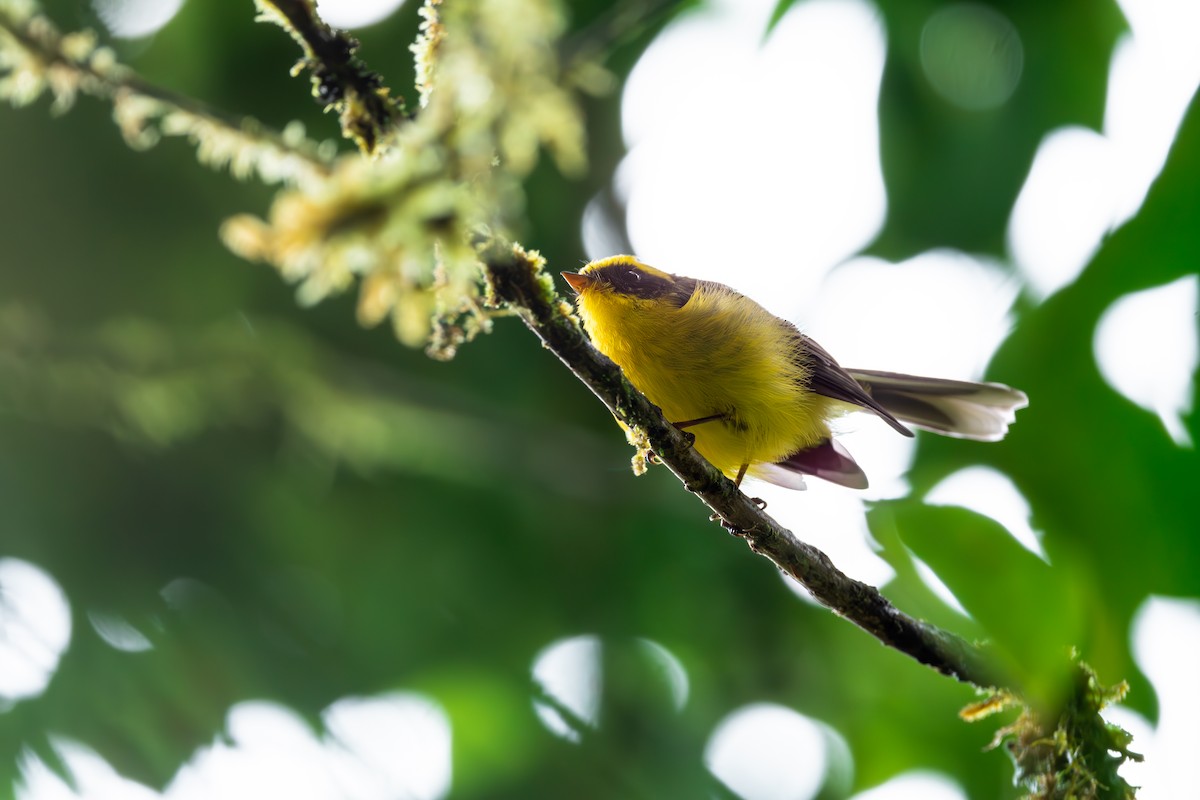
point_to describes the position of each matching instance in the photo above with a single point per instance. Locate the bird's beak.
(576, 281)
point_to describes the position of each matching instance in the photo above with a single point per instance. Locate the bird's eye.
(635, 275)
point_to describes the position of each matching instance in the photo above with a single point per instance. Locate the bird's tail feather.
(963, 409)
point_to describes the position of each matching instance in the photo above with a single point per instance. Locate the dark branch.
(516, 279)
(340, 79)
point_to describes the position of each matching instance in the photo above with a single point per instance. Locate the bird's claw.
(729, 527)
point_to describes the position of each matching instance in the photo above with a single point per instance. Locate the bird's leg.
(741, 474)
(689, 423)
(758, 501)
(691, 437)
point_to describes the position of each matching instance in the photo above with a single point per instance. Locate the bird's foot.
(729, 527)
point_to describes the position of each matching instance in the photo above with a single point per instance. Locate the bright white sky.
(769, 195)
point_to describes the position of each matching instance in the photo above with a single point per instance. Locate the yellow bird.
(758, 394)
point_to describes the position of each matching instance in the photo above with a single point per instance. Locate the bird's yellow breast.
(720, 353)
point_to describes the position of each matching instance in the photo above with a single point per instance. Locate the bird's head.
(624, 279)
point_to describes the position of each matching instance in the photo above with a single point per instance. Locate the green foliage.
(1106, 483)
(1031, 613)
(953, 173)
(294, 509)
(1069, 752)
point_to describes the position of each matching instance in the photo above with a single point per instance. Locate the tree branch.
(340, 79)
(35, 57)
(515, 278)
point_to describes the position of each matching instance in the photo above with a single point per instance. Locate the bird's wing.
(826, 377)
(828, 461)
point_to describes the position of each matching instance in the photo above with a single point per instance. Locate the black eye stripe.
(675, 290)
(633, 281)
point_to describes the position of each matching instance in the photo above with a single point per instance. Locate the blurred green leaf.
(1031, 612)
(496, 737)
(953, 173)
(1113, 494)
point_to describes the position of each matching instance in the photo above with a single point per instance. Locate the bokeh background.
(254, 550)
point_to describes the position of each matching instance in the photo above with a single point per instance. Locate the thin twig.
(104, 78)
(516, 279)
(340, 79)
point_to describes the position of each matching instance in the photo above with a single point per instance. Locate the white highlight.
(378, 748)
(756, 163)
(94, 778)
(671, 669)
(919, 785)
(1137, 774)
(273, 753)
(1083, 185)
(1147, 350)
(569, 671)
(768, 752)
(835, 523)
(1166, 644)
(118, 633)
(35, 628)
(396, 745)
(133, 19)
(602, 234)
(938, 586)
(1066, 206)
(942, 313)
(992, 493)
(356, 13)
(1153, 78)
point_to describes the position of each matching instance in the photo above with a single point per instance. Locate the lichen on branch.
(341, 81)
(400, 224)
(491, 100)
(1067, 753)
(36, 58)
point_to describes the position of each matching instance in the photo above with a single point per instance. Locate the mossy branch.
(1072, 754)
(340, 79)
(516, 278)
(35, 57)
